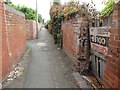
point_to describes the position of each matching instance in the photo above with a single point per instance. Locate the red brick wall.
(112, 69)
(1, 7)
(4, 49)
(75, 40)
(31, 31)
(0, 41)
(13, 39)
(68, 36)
(69, 46)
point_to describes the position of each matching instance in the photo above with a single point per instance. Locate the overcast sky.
(44, 5)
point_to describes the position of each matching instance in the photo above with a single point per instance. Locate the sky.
(44, 5)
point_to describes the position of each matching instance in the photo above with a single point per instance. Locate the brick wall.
(13, 39)
(68, 38)
(69, 44)
(2, 34)
(4, 49)
(75, 41)
(112, 69)
(31, 31)
(75, 33)
(1, 7)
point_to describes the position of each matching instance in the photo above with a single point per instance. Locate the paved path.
(49, 66)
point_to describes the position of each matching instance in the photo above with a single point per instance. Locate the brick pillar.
(112, 68)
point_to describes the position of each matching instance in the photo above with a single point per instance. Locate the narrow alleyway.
(49, 67)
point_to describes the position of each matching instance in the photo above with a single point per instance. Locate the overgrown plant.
(59, 13)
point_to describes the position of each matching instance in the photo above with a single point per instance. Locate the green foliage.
(10, 4)
(29, 12)
(55, 23)
(107, 2)
(108, 9)
(40, 20)
(57, 2)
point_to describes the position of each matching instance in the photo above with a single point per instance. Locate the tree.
(40, 20)
(29, 12)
